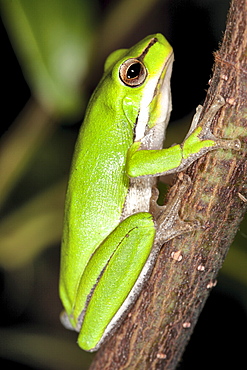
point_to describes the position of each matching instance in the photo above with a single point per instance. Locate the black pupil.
(134, 71)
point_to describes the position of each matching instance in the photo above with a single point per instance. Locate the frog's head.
(139, 81)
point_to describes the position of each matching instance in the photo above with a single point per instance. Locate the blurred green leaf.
(31, 228)
(20, 143)
(42, 351)
(52, 40)
(113, 29)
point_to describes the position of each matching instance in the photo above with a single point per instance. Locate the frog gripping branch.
(113, 228)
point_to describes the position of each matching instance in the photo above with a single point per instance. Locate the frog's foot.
(205, 124)
(168, 223)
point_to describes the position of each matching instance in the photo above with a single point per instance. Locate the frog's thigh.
(131, 243)
(124, 252)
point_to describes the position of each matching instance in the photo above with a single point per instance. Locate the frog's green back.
(98, 182)
(96, 192)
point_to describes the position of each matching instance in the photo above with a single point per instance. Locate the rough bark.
(156, 331)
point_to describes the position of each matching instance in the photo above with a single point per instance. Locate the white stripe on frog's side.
(140, 189)
(143, 115)
(165, 106)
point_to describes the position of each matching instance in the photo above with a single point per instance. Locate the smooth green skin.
(99, 251)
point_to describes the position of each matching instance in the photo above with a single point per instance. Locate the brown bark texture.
(156, 331)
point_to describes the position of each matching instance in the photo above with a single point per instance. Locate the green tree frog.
(113, 228)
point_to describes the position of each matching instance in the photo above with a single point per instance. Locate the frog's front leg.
(199, 141)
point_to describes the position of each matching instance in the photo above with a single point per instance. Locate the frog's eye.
(132, 72)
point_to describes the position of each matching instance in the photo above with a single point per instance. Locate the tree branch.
(159, 326)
